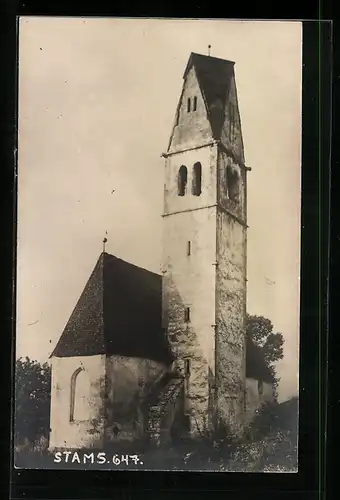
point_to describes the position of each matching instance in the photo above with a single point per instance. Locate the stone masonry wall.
(230, 325)
(128, 380)
(164, 412)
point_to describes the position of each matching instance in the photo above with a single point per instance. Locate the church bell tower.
(204, 246)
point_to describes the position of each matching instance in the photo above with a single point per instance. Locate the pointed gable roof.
(119, 312)
(214, 76)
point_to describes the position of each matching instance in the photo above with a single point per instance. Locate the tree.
(32, 399)
(260, 330)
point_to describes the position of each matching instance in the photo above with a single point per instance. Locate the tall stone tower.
(204, 244)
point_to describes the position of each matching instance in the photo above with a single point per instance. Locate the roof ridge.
(111, 256)
(213, 57)
(205, 57)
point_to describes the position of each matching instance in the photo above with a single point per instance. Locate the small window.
(187, 314)
(195, 104)
(189, 105)
(260, 386)
(187, 367)
(189, 248)
(197, 179)
(182, 180)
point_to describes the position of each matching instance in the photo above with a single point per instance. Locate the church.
(158, 357)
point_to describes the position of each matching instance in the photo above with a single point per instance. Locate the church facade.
(158, 357)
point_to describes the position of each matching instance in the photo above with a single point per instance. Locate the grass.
(274, 453)
(270, 447)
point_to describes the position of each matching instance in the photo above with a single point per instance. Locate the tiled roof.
(119, 312)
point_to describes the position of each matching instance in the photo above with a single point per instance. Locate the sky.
(97, 100)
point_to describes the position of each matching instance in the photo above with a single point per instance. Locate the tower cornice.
(217, 205)
(192, 148)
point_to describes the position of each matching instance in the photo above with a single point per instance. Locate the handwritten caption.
(100, 458)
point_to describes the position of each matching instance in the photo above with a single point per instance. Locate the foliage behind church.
(32, 401)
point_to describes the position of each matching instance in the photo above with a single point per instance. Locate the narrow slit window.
(195, 104)
(233, 123)
(231, 120)
(197, 179)
(189, 248)
(187, 314)
(189, 105)
(187, 367)
(182, 180)
(260, 387)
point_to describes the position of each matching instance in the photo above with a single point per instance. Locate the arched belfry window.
(197, 179)
(233, 182)
(182, 180)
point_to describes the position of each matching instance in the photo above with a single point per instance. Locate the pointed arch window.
(189, 105)
(197, 179)
(80, 396)
(233, 182)
(182, 180)
(73, 392)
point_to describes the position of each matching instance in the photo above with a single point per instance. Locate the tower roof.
(214, 76)
(118, 312)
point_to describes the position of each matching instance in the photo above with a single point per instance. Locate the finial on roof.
(104, 242)
(209, 47)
